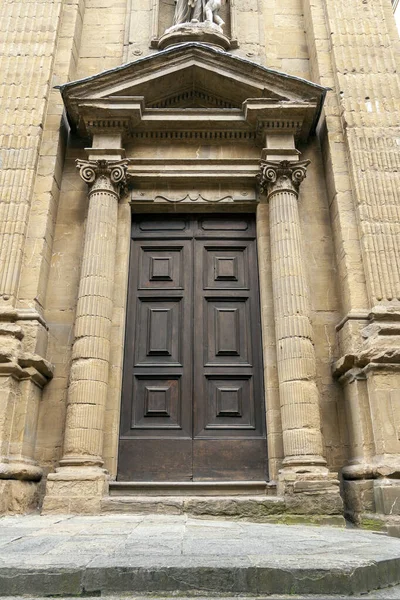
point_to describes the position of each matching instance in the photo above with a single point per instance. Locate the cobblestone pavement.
(166, 554)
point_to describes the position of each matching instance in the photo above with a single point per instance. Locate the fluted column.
(87, 393)
(299, 399)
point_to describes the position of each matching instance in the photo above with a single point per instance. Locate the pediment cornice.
(192, 87)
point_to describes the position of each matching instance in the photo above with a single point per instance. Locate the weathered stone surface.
(18, 497)
(166, 506)
(394, 530)
(328, 259)
(177, 554)
(387, 496)
(255, 508)
(358, 498)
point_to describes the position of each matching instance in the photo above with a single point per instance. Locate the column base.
(18, 497)
(75, 490)
(23, 470)
(304, 461)
(311, 491)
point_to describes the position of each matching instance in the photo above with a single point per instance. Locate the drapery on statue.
(203, 11)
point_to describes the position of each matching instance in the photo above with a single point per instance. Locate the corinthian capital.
(279, 176)
(115, 171)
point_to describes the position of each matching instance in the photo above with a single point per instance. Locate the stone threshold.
(192, 488)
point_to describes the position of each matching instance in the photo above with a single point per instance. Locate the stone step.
(178, 556)
(192, 488)
(250, 507)
(262, 509)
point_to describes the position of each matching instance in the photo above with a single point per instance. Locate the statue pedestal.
(206, 33)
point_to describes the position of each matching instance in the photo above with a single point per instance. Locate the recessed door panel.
(159, 332)
(227, 335)
(225, 267)
(157, 403)
(230, 403)
(193, 402)
(161, 267)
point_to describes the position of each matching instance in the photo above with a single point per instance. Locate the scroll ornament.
(279, 176)
(114, 171)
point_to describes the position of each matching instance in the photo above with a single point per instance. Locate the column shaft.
(299, 398)
(87, 393)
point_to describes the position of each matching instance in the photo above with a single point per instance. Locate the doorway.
(192, 396)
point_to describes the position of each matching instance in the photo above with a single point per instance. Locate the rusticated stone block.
(251, 508)
(18, 497)
(315, 492)
(387, 496)
(358, 496)
(74, 490)
(314, 503)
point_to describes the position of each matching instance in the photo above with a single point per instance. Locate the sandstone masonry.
(291, 113)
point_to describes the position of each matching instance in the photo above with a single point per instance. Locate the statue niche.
(207, 21)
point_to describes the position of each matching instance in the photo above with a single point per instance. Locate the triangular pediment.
(189, 76)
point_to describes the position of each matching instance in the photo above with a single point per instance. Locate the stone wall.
(349, 214)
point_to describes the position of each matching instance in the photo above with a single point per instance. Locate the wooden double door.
(193, 401)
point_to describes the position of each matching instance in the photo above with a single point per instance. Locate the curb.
(253, 580)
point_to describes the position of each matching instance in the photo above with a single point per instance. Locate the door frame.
(165, 442)
(126, 212)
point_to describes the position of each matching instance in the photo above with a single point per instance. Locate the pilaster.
(80, 481)
(23, 374)
(304, 479)
(359, 139)
(32, 147)
(370, 377)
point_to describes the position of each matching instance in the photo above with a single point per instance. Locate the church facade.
(200, 258)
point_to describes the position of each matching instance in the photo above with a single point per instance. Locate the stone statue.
(198, 11)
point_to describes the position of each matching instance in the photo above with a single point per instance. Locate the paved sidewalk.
(388, 594)
(42, 556)
(392, 593)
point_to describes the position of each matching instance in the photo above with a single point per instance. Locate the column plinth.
(304, 462)
(87, 393)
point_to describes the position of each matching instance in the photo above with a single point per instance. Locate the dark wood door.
(193, 402)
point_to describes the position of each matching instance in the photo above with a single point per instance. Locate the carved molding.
(217, 135)
(281, 176)
(194, 197)
(246, 196)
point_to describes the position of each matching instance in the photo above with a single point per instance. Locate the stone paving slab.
(74, 556)
(392, 593)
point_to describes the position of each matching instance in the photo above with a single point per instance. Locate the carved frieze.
(200, 197)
